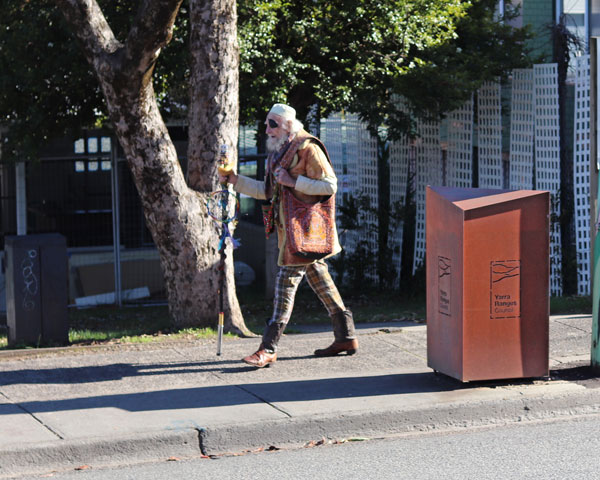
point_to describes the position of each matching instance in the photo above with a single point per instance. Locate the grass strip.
(109, 324)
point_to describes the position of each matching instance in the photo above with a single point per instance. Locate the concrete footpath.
(64, 408)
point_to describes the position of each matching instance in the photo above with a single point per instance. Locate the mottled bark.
(214, 116)
(175, 214)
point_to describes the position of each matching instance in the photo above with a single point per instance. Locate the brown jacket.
(315, 179)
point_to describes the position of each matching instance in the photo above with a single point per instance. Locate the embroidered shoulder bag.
(309, 227)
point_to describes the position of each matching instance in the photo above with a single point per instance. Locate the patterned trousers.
(319, 279)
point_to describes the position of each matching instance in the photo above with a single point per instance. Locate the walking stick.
(225, 212)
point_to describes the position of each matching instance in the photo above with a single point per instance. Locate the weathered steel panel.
(488, 283)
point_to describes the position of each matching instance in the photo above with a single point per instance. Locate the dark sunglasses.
(272, 123)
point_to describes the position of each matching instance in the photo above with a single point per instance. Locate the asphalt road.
(565, 450)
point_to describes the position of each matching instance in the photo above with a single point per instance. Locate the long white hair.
(296, 126)
(274, 144)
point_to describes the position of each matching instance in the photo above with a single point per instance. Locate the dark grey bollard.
(36, 289)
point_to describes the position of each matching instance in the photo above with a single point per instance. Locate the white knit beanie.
(284, 111)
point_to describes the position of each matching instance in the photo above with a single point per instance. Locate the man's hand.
(283, 177)
(231, 178)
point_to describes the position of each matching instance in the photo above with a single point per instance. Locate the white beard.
(274, 144)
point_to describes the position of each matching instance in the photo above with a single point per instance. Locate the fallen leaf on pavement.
(315, 443)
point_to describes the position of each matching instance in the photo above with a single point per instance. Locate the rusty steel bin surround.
(487, 267)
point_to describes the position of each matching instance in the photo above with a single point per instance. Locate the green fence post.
(594, 190)
(595, 354)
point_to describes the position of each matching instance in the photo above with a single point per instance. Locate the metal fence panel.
(460, 147)
(581, 172)
(547, 158)
(489, 126)
(522, 129)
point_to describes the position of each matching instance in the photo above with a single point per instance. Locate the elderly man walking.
(299, 176)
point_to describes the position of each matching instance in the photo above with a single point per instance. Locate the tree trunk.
(214, 121)
(176, 215)
(560, 35)
(385, 267)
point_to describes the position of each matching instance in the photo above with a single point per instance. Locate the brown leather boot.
(343, 332)
(260, 358)
(267, 351)
(350, 346)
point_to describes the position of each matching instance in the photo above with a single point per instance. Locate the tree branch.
(90, 27)
(152, 29)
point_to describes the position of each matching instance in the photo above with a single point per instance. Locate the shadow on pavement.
(227, 395)
(582, 375)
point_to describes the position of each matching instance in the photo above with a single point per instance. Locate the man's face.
(275, 131)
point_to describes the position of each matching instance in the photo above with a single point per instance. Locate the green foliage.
(357, 267)
(485, 48)
(362, 55)
(567, 305)
(47, 87)
(354, 55)
(327, 52)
